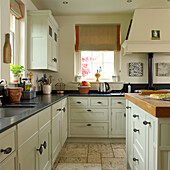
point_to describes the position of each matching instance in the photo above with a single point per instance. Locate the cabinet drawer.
(78, 101)
(44, 117)
(89, 115)
(118, 103)
(99, 101)
(27, 129)
(89, 129)
(7, 141)
(56, 109)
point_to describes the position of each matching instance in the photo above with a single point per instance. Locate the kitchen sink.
(10, 112)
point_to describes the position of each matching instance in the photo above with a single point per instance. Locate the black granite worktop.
(43, 101)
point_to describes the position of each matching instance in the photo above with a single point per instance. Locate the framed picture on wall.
(163, 69)
(155, 34)
(135, 69)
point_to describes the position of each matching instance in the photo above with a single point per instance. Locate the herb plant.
(16, 69)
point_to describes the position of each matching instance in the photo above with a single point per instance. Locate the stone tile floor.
(91, 156)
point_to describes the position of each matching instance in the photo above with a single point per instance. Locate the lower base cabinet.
(118, 123)
(28, 154)
(56, 136)
(9, 163)
(45, 142)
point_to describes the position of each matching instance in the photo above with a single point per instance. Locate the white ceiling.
(89, 7)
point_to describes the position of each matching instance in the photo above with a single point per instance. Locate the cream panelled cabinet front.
(42, 41)
(148, 140)
(34, 142)
(8, 160)
(89, 117)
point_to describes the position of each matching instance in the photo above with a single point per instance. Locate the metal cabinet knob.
(58, 109)
(44, 144)
(99, 102)
(146, 123)
(79, 102)
(128, 107)
(40, 150)
(135, 116)
(89, 110)
(119, 102)
(7, 150)
(64, 109)
(54, 59)
(136, 130)
(135, 159)
(124, 114)
(88, 124)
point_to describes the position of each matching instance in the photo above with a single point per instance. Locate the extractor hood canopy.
(140, 35)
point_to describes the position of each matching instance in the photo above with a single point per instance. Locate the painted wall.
(67, 40)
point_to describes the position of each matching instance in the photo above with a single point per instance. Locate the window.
(91, 61)
(95, 46)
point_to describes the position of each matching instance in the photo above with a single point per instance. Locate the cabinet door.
(56, 136)
(9, 163)
(118, 123)
(55, 50)
(151, 143)
(64, 121)
(27, 154)
(45, 142)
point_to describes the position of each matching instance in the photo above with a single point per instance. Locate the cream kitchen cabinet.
(64, 121)
(34, 142)
(88, 116)
(8, 149)
(118, 117)
(56, 128)
(42, 41)
(9, 163)
(142, 139)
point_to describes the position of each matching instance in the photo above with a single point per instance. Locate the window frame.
(79, 68)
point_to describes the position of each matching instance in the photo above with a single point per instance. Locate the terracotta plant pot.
(15, 94)
(84, 89)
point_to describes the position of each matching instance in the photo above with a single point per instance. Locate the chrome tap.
(3, 80)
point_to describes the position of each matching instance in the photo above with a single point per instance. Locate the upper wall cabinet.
(42, 41)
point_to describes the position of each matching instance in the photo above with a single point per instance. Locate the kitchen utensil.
(47, 89)
(60, 86)
(104, 87)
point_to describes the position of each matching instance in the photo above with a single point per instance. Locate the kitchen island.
(147, 133)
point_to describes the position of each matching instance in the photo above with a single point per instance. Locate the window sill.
(110, 82)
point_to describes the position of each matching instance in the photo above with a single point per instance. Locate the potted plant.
(84, 87)
(16, 70)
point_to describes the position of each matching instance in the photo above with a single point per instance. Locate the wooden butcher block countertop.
(157, 108)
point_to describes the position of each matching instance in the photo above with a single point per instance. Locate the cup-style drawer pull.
(99, 102)
(135, 116)
(79, 102)
(64, 109)
(128, 107)
(119, 102)
(89, 110)
(44, 144)
(88, 124)
(40, 150)
(58, 109)
(135, 159)
(7, 150)
(146, 123)
(136, 130)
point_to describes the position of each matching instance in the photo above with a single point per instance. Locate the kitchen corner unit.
(42, 41)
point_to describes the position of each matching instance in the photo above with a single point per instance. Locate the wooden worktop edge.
(142, 104)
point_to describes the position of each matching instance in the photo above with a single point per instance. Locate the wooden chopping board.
(148, 92)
